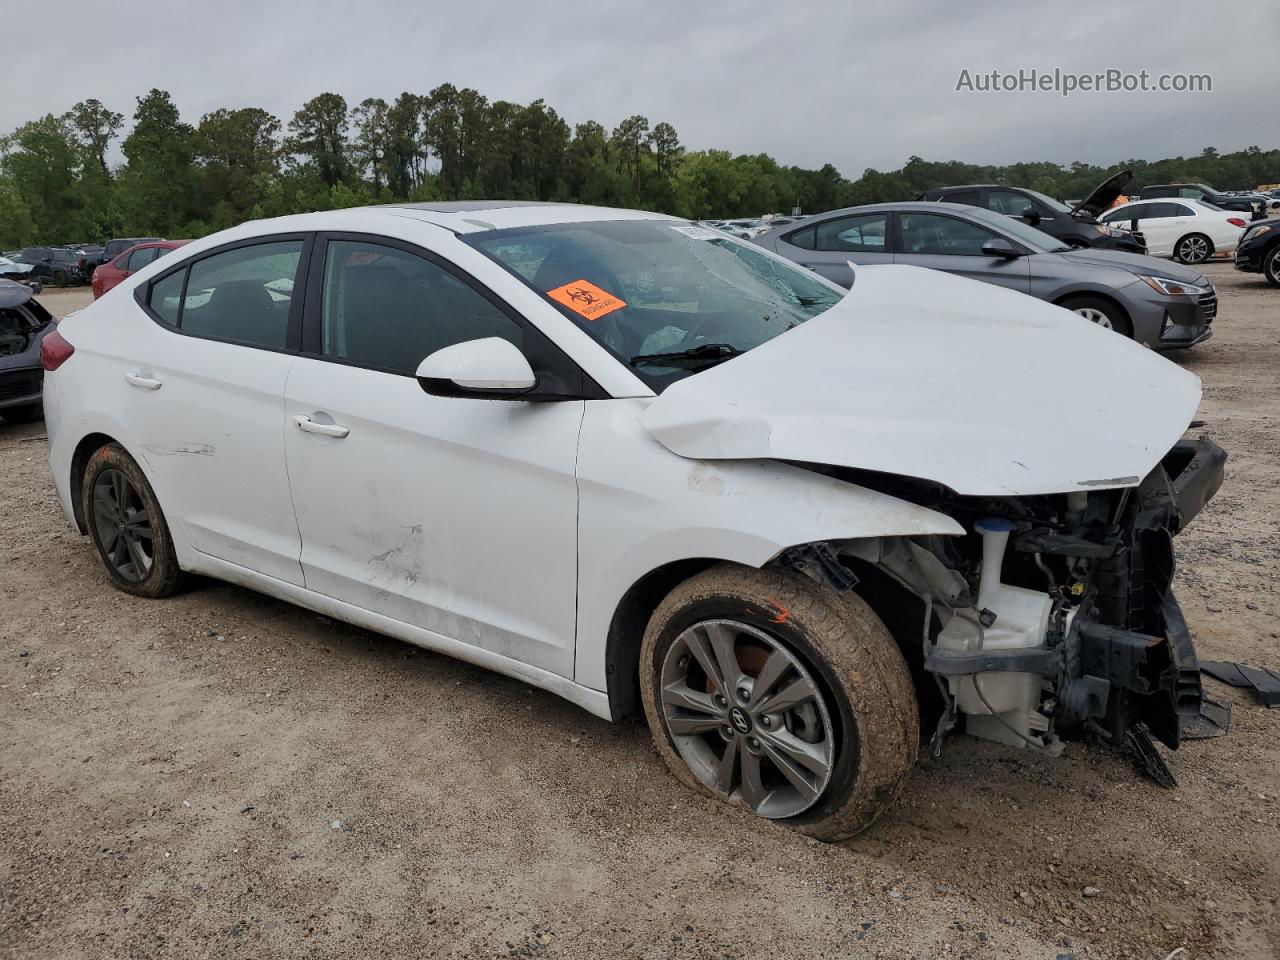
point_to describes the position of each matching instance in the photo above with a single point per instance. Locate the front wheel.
(772, 693)
(1271, 266)
(1193, 248)
(1104, 313)
(127, 525)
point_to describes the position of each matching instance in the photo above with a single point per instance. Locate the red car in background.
(130, 262)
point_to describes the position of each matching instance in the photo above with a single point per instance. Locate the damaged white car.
(651, 468)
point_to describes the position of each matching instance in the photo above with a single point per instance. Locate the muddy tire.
(127, 525)
(820, 727)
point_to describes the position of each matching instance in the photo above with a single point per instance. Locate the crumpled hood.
(923, 374)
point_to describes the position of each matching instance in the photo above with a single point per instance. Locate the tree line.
(179, 180)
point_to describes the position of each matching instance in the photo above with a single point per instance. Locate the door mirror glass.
(999, 248)
(491, 367)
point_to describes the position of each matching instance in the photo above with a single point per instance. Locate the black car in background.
(54, 265)
(1076, 226)
(1259, 250)
(1254, 206)
(113, 249)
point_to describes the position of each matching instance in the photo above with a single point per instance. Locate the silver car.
(1160, 304)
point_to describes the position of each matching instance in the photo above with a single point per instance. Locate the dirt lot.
(223, 775)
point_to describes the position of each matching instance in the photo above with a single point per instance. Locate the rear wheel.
(1193, 248)
(772, 693)
(1271, 266)
(59, 278)
(127, 525)
(23, 414)
(1104, 313)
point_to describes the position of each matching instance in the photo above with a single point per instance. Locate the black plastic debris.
(1264, 683)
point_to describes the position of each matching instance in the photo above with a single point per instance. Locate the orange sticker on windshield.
(586, 299)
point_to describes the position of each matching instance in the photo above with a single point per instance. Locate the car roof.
(976, 186)
(473, 216)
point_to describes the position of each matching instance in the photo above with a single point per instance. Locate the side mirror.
(1031, 215)
(491, 367)
(1000, 248)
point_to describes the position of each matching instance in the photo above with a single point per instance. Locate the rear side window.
(385, 308)
(166, 297)
(140, 258)
(801, 238)
(243, 295)
(864, 234)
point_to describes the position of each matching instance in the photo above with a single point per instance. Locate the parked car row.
(1161, 305)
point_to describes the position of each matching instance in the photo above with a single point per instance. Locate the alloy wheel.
(123, 525)
(1273, 266)
(747, 717)
(1094, 315)
(1193, 250)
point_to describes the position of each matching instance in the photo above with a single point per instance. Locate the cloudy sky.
(852, 83)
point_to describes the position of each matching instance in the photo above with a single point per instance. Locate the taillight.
(55, 350)
(1236, 222)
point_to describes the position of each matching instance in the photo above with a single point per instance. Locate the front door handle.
(143, 383)
(335, 430)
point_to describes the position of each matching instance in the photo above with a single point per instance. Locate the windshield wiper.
(699, 357)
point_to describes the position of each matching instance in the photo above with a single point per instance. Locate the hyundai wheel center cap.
(741, 722)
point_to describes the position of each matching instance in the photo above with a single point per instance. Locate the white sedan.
(650, 468)
(1190, 231)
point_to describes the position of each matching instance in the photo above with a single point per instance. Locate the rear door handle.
(335, 430)
(143, 383)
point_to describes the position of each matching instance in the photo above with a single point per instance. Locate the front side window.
(928, 233)
(970, 198)
(1007, 202)
(666, 298)
(243, 295)
(1137, 211)
(863, 234)
(389, 309)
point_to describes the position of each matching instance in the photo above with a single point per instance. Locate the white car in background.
(1190, 231)
(654, 469)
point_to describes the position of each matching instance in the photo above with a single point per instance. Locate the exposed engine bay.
(1055, 619)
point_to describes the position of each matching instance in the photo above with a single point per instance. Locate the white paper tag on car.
(699, 233)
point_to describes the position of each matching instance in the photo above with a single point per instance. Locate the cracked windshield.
(668, 299)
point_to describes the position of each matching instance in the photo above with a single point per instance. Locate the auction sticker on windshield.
(586, 299)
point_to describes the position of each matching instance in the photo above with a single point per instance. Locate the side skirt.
(593, 701)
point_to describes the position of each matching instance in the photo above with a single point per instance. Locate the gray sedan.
(1160, 304)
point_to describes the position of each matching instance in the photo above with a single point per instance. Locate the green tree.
(157, 186)
(318, 132)
(631, 137)
(238, 153)
(94, 127)
(41, 161)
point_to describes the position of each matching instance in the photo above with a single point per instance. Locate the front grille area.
(1209, 305)
(22, 383)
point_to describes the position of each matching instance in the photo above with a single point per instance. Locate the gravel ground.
(220, 774)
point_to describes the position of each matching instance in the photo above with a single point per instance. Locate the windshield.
(667, 298)
(1037, 240)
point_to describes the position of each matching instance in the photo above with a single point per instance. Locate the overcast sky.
(851, 83)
